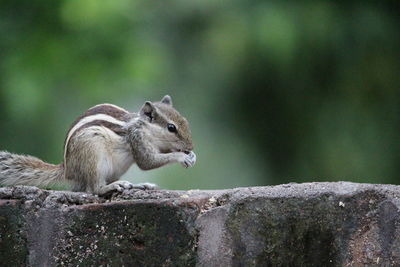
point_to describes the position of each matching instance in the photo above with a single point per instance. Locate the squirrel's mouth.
(175, 150)
(184, 151)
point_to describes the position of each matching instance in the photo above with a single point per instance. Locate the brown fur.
(105, 109)
(28, 170)
(113, 127)
(100, 151)
(180, 122)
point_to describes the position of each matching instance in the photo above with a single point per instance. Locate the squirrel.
(103, 143)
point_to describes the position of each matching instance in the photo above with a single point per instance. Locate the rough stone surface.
(311, 224)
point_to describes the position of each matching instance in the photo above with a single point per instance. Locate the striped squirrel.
(103, 143)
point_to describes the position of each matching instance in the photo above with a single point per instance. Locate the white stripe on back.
(90, 119)
(111, 105)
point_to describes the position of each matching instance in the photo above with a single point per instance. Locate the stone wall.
(311, 224)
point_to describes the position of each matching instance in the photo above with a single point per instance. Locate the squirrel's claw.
(189, 160)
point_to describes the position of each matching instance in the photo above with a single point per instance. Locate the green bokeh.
(275, 91)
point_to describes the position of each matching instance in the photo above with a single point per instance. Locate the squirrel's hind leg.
(120, 186)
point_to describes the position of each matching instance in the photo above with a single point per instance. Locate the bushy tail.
(28, 170)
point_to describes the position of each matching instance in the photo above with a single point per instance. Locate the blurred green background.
(275, 91)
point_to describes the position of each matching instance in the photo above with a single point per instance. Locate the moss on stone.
(13, 244)
(143, 234)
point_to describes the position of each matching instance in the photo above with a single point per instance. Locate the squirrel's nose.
(189, 148)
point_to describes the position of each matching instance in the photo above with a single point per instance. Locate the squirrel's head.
(166, 129)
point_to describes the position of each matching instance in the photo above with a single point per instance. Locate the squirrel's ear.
(147, 111)
(167, 100)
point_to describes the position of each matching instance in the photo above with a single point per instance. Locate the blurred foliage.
(276, 91)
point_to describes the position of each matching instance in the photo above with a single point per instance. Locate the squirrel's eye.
(171, 128)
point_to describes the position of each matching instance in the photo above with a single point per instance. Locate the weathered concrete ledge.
(311, 224)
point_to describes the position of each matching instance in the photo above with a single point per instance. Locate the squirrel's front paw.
(188, 160)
